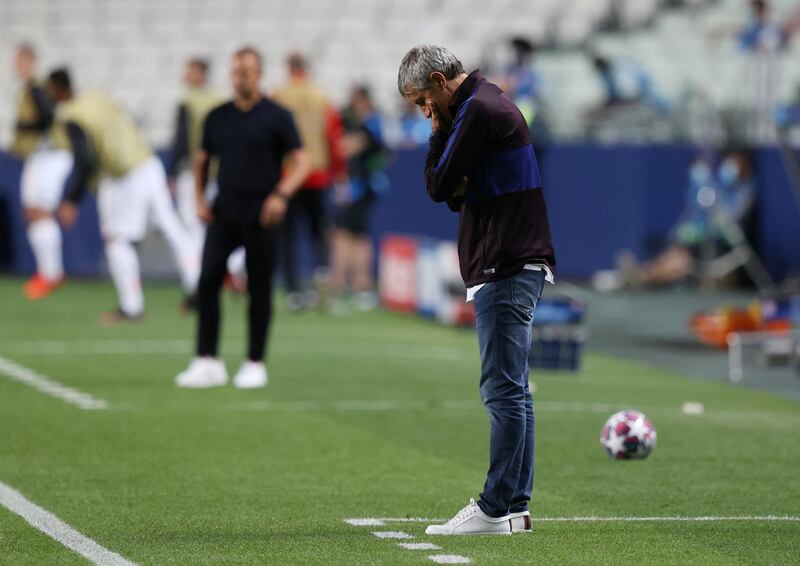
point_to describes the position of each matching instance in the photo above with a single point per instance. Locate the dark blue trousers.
(504, 311)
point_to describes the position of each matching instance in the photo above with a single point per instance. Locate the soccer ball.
(628, 435)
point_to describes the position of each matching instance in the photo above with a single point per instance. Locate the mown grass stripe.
(58, 530)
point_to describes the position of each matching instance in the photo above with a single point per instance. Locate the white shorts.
(43, 178)
(126, 204)
(186, 198)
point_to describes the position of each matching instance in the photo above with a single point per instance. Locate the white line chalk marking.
(58, 530)
(386, 405)
(449, 559)
(184, 347)
(603, 519)
(392, 534)
(419, 546)
(383, 520)
(50, 387)
(677, 519)
(365, 522)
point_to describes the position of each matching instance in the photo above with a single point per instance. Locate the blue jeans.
(504, 312)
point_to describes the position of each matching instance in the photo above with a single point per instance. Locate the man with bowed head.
(481, 162)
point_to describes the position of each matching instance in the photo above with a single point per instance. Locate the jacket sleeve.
(451, 156)
(44, 113)
(180, 142)
(84, 163)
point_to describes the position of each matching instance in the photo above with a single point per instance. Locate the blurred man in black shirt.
(251, 137)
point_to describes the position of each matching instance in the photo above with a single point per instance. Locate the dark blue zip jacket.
(503, 223)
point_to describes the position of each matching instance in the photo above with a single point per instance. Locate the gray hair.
(422, 60)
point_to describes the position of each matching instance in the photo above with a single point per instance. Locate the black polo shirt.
(250, 147)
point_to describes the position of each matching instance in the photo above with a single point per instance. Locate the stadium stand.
(136, 48)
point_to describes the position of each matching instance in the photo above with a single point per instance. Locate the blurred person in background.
(320, 128)
(763, 40)
(523, 83)
(626, 85)
(198, 101)
(365, 149)
(253, 139)
(718, 215)
(106, 145)
(481, 162)
(47, 164)
(414, 127)
(787, 115)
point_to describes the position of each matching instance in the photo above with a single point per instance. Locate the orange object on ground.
(37, 287)
(713, 327)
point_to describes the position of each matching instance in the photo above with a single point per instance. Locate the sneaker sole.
(200, 386)
(259, 386)
(433, 530)
(501, 533)
(527, 523)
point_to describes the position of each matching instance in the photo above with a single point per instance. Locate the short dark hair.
(363, 91)
(200, 63)
(60, 78)
(250, 50)
(297, 62)
(26, 48)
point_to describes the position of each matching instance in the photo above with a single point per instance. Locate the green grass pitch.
(366, 415)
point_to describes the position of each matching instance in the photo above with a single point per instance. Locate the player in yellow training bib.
(47, 164)
(132, 189)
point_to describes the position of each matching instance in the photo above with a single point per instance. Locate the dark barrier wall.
(605, 199)
(83, 249)
(601, 200)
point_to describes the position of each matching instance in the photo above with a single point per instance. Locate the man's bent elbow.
(435, 190)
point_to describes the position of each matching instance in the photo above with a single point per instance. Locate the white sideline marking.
(677, 518)
(354, 406)
(392, 534)
(384, 405)
(365, 522)
(449, 559)
(603, 519)
(384, 520)
(95, 347)
(184, 347)
(58, 530)
(419, 546)
(50, 387)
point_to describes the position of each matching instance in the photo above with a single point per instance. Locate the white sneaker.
(472, 521)
(521, 522)
(251, 375)
(203, 372)
(366, 301)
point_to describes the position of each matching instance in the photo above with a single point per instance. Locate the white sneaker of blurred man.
(521, 522)
(251, 375)
(471, 520)
(203, 372)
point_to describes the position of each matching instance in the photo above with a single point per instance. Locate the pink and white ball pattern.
(628, 435)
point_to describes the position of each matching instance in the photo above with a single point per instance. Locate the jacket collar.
(465, 90)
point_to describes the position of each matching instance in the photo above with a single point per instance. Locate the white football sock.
(185, 248)
(123, 264)
(236, 263)
(186, 251)
(45, 238)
